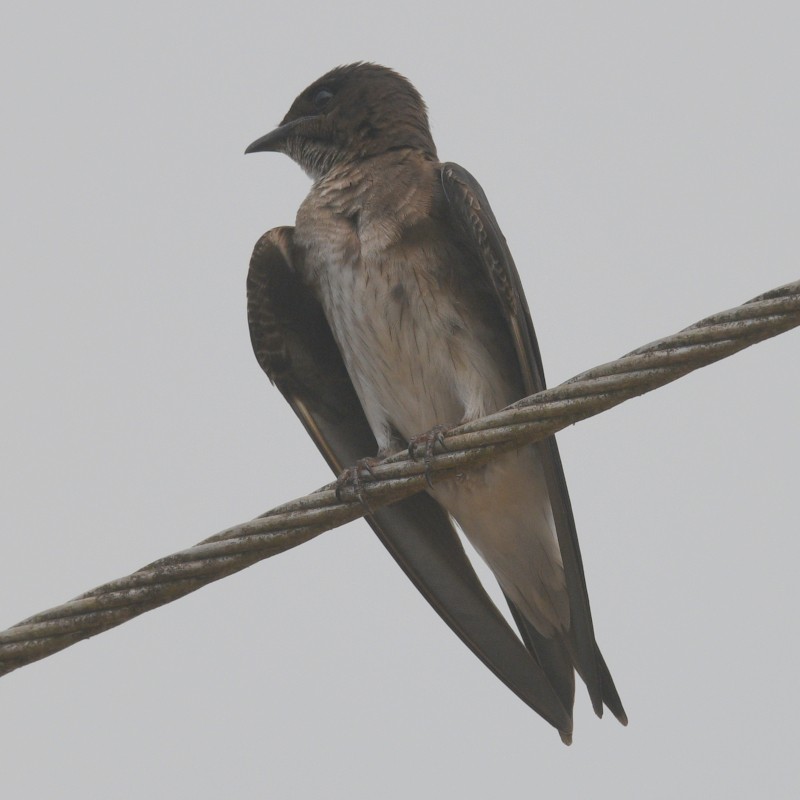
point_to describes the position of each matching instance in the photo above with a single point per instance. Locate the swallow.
(392, 309)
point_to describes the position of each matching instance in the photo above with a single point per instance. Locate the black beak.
(274, 140)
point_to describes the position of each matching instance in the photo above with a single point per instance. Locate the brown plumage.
(417, 316)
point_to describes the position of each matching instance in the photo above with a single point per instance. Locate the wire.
(399, 476)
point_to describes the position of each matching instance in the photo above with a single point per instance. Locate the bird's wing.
(294, 346)
(472, 215)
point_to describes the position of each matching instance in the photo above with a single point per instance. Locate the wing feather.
(472, 215)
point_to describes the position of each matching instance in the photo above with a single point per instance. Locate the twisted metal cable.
(399, 476)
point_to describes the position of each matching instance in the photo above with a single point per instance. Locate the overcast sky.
(644, 166)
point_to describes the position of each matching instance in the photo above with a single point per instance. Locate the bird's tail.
(557, 656)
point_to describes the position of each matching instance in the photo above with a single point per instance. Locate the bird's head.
(351, 113)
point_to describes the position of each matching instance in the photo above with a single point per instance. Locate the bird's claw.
(426, 443)
(353, 478)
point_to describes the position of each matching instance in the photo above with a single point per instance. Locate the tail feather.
(557, 656)
(552, 655)
(610, 695)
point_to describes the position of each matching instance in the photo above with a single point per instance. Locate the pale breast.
(413, 346)
(415, 355)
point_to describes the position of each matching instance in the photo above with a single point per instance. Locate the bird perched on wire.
(393, 309)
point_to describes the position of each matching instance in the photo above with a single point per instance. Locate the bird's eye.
(322, 98)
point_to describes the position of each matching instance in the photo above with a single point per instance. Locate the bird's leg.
(425, 444)
(354, 476)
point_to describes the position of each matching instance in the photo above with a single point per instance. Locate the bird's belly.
(415, 358)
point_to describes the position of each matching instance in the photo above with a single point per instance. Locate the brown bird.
(392, 308)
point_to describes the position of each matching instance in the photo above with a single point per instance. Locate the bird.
(393, 310)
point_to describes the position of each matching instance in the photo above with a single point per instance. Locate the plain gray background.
(643, 162)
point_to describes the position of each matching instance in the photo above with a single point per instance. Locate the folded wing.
(472, 216)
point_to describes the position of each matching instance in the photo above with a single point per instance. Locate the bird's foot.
(424, 445)
(354, 477)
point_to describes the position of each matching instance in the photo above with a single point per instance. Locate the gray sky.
(644, 167)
